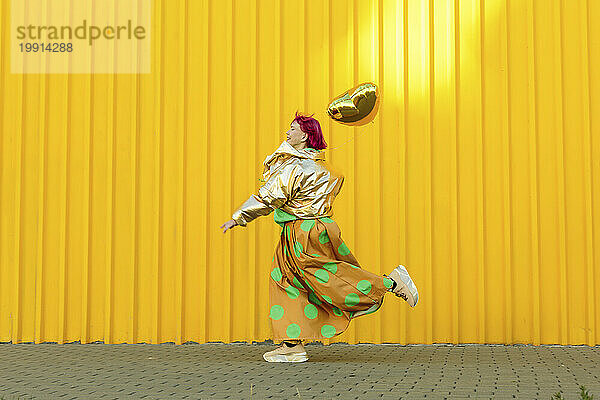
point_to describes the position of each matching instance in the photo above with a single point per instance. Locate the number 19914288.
(46, 47)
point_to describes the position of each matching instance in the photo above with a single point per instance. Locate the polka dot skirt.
(317, 286)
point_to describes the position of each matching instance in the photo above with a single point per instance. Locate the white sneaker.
(286, 354)
(405, 287)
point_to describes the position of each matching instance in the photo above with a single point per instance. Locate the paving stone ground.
(337, 371)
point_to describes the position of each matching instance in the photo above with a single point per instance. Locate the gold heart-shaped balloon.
(357, 106)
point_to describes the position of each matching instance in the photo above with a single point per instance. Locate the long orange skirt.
(317, 286)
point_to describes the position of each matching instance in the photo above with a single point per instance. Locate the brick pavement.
(337, 371)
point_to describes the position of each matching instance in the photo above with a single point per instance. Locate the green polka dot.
(287, 252)
(293, 330)
(387, 282)
(327, 220)
(297, 283)
(327, 299)
(364, 286)
(351, 299)
(312, 297)
(322, 275)
(331, 267)
(273, 258)
(316, 255)
(288, 231)
(307, 225)
(292, 292)
(276, 312)
(327, 331)
(276, 274)
(354, 266)
(323, 238)
(343, 249)
(310, 311)
(298, 248)
(337, 311)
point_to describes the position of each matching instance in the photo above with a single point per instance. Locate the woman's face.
(295, 136)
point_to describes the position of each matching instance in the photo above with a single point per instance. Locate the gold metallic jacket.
(297, 182)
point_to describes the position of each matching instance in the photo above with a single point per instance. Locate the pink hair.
(312, 128)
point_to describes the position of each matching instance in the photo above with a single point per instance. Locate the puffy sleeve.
(278, 189)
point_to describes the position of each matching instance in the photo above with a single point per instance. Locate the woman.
(317, 286)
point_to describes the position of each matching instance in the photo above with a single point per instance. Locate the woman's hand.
(228, 225)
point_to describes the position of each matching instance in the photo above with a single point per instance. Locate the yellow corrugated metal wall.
(480, 172)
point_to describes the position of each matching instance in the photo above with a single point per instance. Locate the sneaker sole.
(300, 357)
(406, 279)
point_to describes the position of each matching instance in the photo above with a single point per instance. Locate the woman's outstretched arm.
(272, 195)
